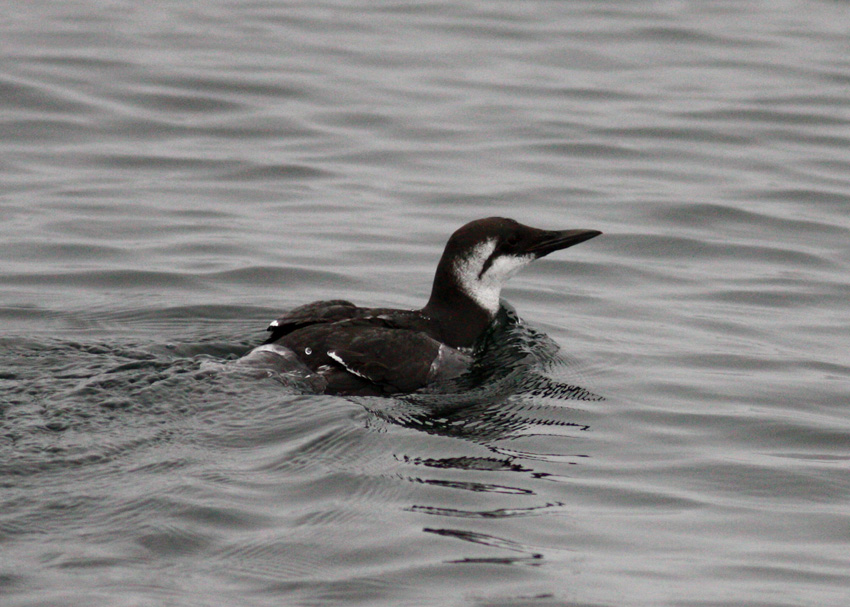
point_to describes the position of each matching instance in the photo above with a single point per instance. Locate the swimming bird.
(345, 349)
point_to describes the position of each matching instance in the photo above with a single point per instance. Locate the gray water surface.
(174, 175)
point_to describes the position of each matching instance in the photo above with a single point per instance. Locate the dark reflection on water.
(528, 558)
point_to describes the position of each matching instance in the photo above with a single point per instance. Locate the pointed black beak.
(556, 240)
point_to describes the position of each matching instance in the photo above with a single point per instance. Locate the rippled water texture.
(175, 174)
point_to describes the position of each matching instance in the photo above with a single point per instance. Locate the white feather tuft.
(485, 289)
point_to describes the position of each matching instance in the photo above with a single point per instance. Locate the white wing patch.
(338, 359)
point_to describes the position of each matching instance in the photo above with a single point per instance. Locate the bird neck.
(461, 319)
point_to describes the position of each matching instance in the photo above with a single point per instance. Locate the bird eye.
(512, 240)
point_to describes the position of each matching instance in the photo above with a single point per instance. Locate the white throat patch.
(486, 288)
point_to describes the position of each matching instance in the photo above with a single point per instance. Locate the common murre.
(340, 348)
